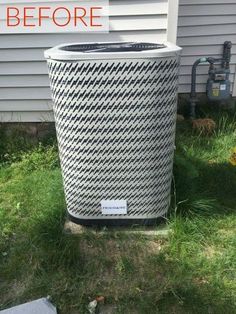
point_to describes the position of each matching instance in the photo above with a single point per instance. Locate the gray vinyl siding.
(24, 84)
(203, 26)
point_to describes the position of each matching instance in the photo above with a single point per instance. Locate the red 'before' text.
(60, 17)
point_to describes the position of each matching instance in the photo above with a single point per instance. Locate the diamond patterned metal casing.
(115, 122)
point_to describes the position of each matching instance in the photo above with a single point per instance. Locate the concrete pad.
(162, 230)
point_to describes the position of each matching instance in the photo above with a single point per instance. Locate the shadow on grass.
(133, 273)
(136, 275)
(210, 184)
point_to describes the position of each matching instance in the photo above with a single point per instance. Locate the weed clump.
(40, 158)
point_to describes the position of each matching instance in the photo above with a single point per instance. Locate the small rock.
(180, 117)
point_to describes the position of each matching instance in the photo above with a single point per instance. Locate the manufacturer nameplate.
(114, 207)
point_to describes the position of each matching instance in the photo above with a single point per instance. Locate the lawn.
(190, 271)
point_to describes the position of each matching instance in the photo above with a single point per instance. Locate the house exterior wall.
(24, 84)
(203, 25)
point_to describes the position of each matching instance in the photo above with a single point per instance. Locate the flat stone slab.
(40, 306)
(162, 230)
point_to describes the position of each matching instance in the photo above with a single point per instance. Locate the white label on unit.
(222, 87)
(114, 207)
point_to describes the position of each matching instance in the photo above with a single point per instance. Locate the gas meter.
(218, 84)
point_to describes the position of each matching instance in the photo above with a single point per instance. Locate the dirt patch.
(211, 252)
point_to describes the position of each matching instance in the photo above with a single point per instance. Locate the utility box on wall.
(115, 112)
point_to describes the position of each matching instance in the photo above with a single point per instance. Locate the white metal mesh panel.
(115, 124)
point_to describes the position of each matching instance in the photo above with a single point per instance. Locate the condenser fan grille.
(112, 47)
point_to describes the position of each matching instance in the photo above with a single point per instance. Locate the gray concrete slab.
(162, 230)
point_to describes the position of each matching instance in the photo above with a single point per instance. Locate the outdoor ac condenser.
(115, 113)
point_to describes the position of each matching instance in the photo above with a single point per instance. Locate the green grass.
(191, 271)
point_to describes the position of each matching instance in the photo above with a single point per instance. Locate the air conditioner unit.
(115, 113)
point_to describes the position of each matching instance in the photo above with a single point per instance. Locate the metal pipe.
(193, 95)
(227, 53)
